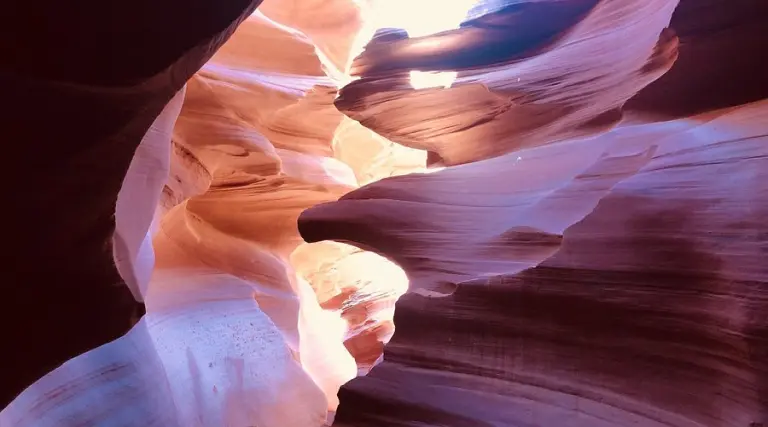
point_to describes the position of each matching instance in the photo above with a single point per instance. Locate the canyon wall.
(220, 221)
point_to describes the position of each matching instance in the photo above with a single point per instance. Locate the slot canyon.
(385, 213)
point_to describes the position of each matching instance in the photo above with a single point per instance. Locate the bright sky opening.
(422, 18)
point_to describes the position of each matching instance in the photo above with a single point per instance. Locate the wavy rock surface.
(529, 90)
(613, 280)
(81, 107)
(206, 228)
(667, 330)
(578, 253)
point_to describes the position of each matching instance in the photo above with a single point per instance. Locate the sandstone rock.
(575, 214)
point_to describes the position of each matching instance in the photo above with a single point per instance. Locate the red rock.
(578, 217)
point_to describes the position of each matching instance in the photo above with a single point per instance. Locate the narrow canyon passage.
(564, 200)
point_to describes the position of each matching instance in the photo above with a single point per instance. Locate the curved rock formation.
(524, 91)
(575, 209)
(599, 281)
(664, 329)
(206, 228)
(81, 105)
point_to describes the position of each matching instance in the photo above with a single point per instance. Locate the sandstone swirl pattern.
(580, 228)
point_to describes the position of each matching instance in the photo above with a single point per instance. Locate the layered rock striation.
(575, 214)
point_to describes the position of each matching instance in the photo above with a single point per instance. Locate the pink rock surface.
(546, 94)
(577, 220)
(622, 290)
(81, 106)
(206, 227)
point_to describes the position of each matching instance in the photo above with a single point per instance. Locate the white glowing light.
(421, 18)
(426, 79)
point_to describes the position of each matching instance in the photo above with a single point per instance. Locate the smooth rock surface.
(646, 310)
(576, 207)
(79, 106)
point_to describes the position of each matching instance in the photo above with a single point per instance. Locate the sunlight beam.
(420, 18)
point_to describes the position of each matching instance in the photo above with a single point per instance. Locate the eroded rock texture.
(79, 105)
(621, 285)
(246, 324)
(645, 310)
(577, 209)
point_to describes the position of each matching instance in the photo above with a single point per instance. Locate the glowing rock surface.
(571, 206)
